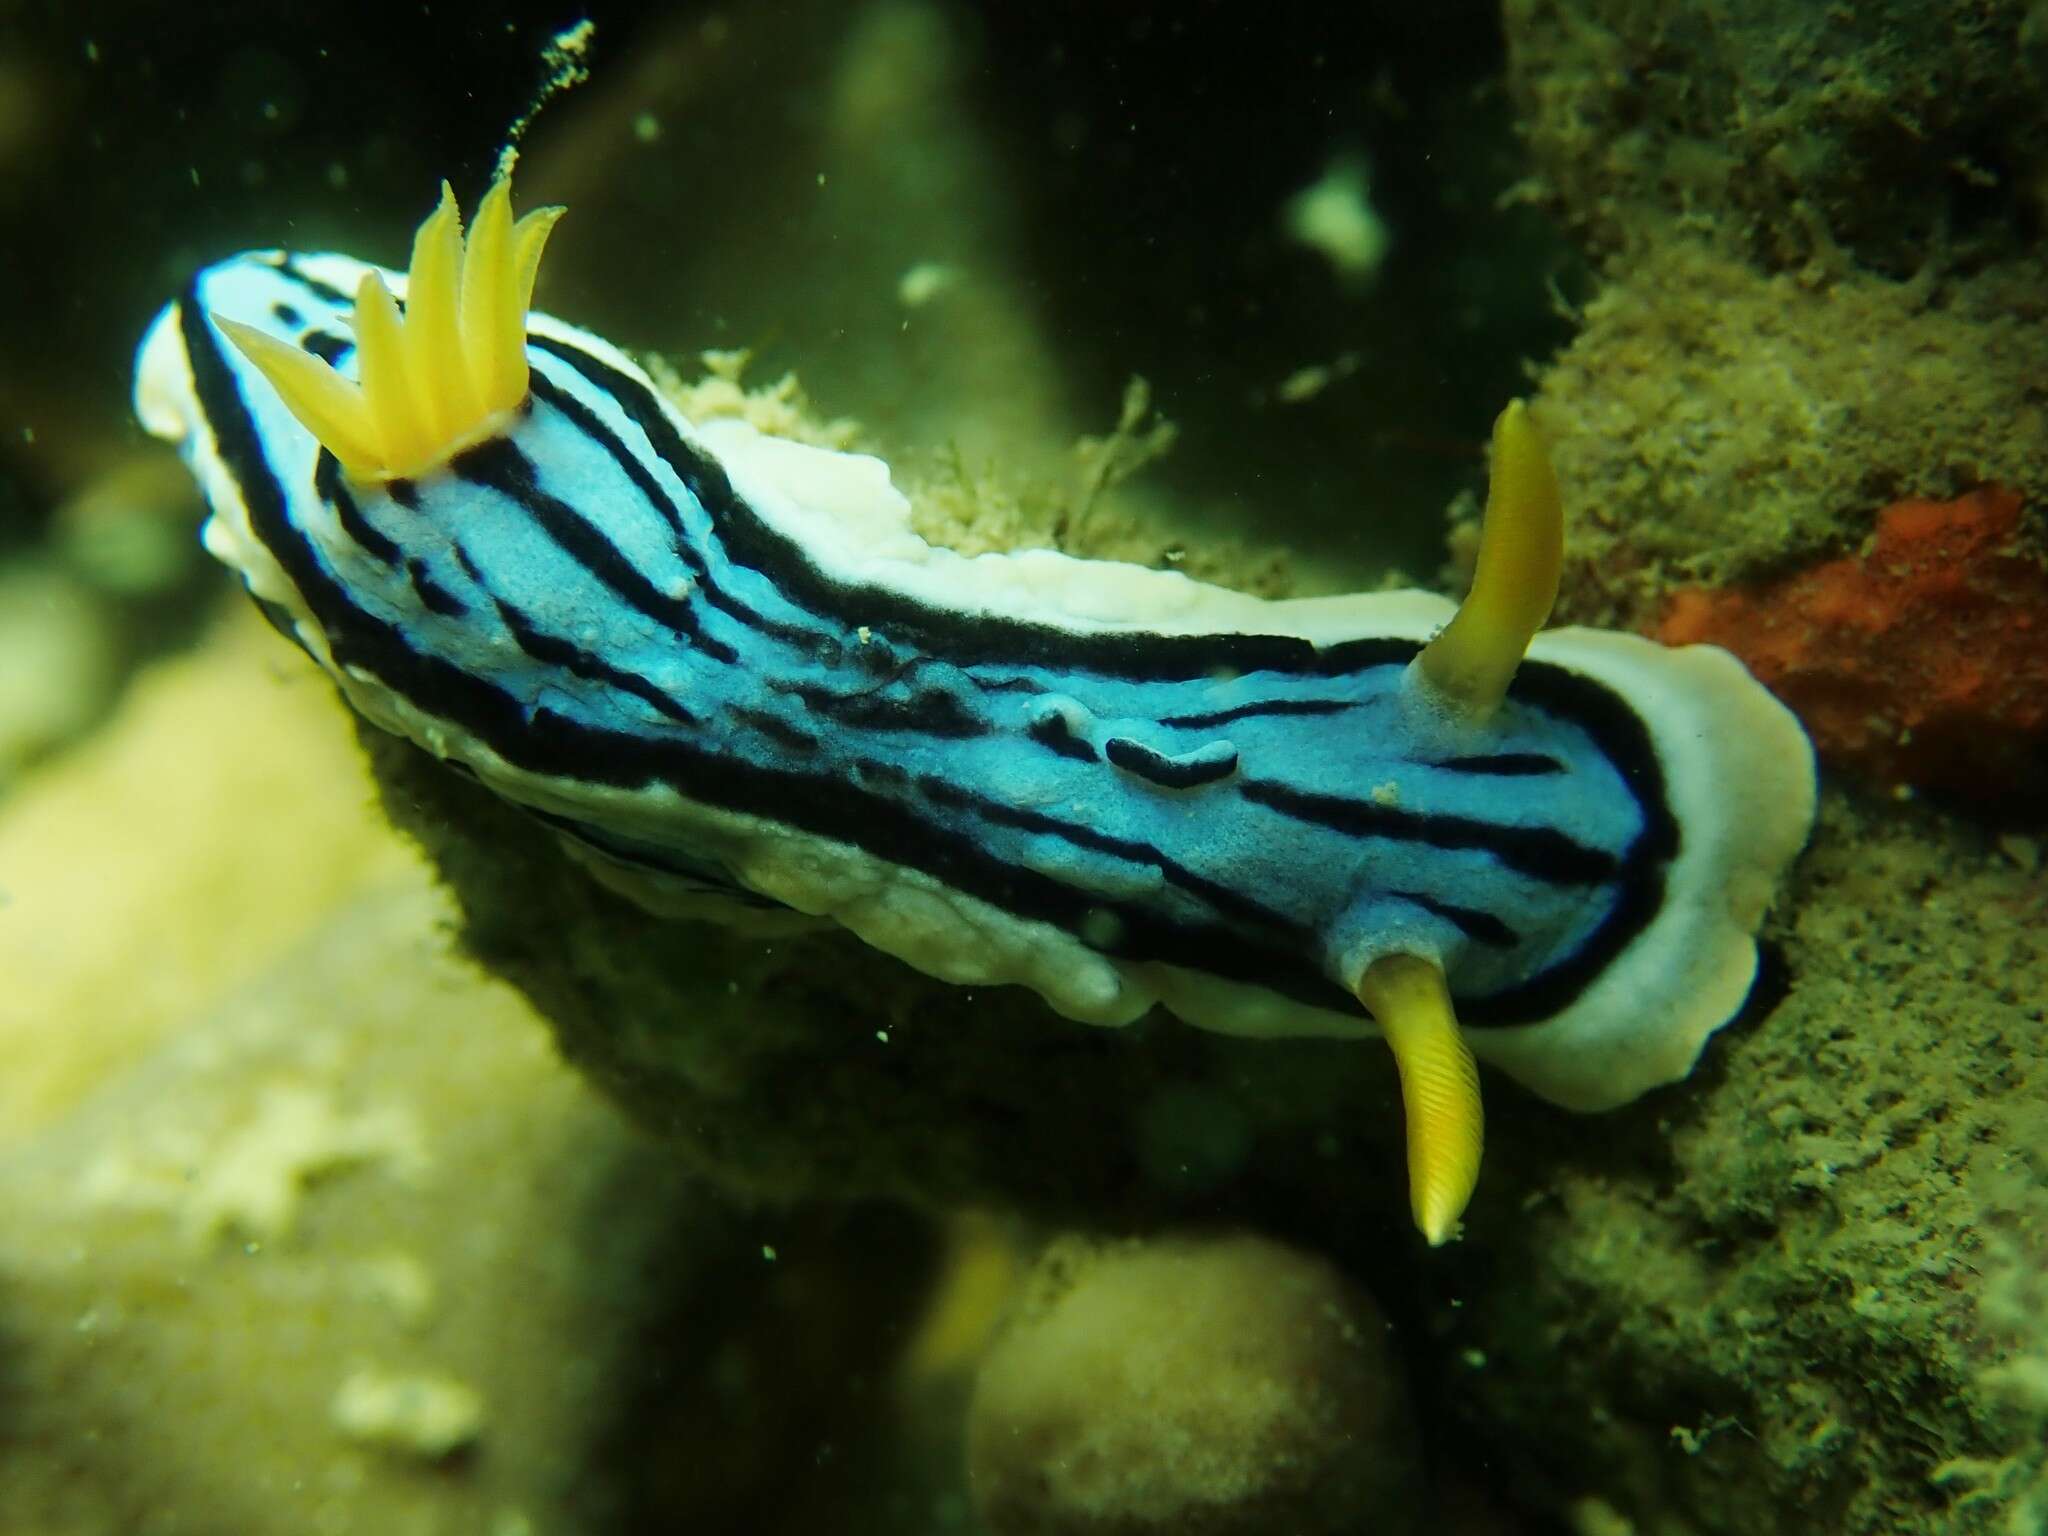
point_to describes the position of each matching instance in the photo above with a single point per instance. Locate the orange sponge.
(1922, 661)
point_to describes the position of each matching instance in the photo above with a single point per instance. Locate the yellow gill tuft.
(328, 405)
(441, 389)
(437, 377)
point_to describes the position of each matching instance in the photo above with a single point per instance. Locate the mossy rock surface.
(1897, 133)
(1769, 1290)
(1816, 1306)
(814, 1066)
(1714, 423)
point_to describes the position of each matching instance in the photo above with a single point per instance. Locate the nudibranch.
(726, 672)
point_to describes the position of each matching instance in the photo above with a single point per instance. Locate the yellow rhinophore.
(1463, 674)
(437, 376)
(1467, 668)
(1439, 1088)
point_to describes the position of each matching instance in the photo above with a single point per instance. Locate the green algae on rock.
(1819, 292)
(1715, 421)
(1803, 1308)
(1791, 132)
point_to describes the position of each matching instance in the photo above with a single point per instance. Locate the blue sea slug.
(726, 672)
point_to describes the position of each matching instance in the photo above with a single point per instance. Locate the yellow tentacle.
(529, 239)
(1439, 1088)
(1468, 667)
(497, 359)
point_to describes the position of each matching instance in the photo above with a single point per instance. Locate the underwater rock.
(352, 1220)
(1922, 661)
(1786, 130)
(137, 892)
(304, 1227)
(1713, 424)
(1821, 290)
(1798, 1301)
(1198, 1385)
(60, 664)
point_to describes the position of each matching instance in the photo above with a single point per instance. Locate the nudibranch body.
(723, 668)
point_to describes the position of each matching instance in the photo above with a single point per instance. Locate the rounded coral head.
(1212, 1385)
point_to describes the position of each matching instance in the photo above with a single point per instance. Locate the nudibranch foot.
(1439, 1088)
(437, 378)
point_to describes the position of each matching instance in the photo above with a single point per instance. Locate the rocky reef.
(1798, 137)
(1822, 303)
